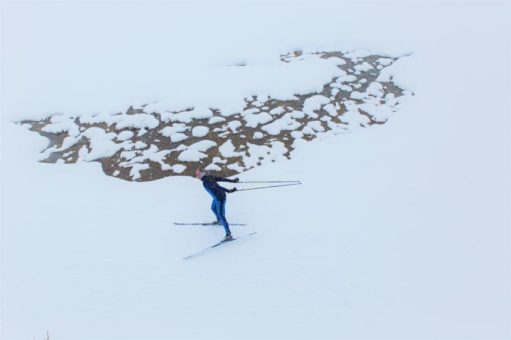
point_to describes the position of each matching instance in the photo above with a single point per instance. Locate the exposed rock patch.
(139, 145)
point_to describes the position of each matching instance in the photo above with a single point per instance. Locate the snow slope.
(401, 231)
(146, 143)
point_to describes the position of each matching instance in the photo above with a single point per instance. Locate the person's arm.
(221, 179)
(225, 189)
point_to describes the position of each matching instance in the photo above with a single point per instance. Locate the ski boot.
(227, 238)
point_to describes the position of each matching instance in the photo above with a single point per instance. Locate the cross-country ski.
(206, 224)
(223, 242)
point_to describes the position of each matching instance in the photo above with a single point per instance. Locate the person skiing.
(219, 198)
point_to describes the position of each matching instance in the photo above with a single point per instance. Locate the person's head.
(199, 173)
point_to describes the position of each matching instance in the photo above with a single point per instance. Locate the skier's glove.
(236, 180)
(233, 190)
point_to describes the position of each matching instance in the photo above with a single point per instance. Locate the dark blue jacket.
(211, 186)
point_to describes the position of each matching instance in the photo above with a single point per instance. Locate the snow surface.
(401, 231)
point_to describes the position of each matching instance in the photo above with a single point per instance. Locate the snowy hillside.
(400, 230)
(152, 141)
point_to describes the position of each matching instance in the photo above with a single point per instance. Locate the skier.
(219, 198)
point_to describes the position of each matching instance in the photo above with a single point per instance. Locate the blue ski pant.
(218, 208)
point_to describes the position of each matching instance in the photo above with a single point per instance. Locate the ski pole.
(269, 186)
(269, 182)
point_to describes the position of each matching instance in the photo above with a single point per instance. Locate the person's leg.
(221, 216)
(214, 208)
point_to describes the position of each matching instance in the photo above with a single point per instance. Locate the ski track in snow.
(143, 144)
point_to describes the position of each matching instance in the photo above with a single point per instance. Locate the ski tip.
(244, 235)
